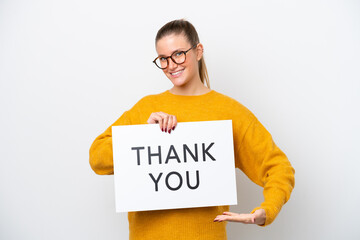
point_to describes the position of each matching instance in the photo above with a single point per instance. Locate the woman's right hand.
(166, 121)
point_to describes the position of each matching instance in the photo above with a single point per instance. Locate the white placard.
(195, 167)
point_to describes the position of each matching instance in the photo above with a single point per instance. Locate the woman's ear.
(199, 51)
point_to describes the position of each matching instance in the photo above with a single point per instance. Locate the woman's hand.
(166, 122)
(258, 217)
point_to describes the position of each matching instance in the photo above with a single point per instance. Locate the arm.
(101, 154)
(266, 165)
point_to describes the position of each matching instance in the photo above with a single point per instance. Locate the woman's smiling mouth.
(177, 73)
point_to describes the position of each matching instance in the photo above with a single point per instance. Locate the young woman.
(180, 57)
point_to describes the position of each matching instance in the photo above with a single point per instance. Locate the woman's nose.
(172, 65)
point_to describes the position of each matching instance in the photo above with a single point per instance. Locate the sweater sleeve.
(266, 165)
(101, 154)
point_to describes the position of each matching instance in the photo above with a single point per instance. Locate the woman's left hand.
(258, 217)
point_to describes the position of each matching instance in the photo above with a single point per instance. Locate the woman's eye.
(162, 59)
(178, 54)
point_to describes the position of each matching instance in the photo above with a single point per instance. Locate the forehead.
(170, 43)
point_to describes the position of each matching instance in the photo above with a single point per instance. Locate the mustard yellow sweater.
(255, 154)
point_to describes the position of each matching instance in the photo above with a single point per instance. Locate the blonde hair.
(181, 26)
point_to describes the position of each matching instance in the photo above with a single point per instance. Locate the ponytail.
(204, 77)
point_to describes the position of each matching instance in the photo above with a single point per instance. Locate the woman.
(180, 56)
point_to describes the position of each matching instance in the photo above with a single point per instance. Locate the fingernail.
(173, 128)
(170, 131)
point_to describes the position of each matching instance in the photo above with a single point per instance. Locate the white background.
(70, 68)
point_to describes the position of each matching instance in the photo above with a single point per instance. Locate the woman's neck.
(195, 89)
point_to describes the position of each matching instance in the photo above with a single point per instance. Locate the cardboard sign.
(193, 166)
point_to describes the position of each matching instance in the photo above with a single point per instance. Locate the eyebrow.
(177, 50)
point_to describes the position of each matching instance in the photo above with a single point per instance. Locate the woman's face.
(187, 72)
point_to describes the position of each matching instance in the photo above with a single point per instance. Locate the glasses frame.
(167, 58)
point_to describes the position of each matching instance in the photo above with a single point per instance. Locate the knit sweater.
(255, 154)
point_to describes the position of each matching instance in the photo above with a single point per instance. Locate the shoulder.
(142, 108)
(149, 99)
(231, 105)
(146, 102)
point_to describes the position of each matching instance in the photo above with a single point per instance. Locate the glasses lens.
(178, 57)
(161, 62)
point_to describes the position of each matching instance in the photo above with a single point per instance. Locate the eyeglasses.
(177, 57)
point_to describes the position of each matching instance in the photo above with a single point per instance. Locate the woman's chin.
(178, 82)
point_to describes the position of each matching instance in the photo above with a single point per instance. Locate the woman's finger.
(174, 122)
(163, 117)
(170, 123)
(156, 118)
(234, 217)
(151, 119)
(221, 218)
(229, 213)
(165, 123)
(162, 114)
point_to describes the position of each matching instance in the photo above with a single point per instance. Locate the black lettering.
(175, 154)
(138, 153)
(186, 149)
(197, 180)
(156, 181)
(154, 154)
(167, 181)
(206, 151)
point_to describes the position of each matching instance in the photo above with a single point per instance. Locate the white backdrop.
(70, 68)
